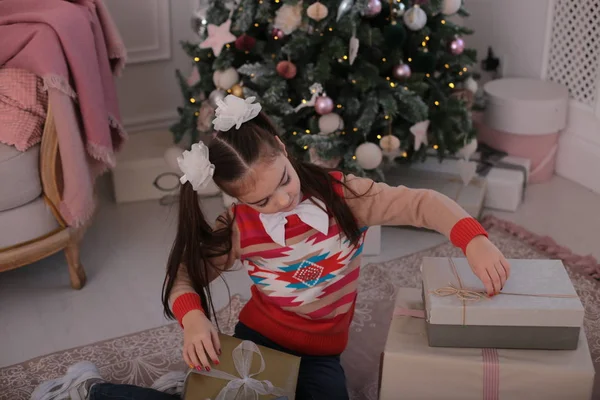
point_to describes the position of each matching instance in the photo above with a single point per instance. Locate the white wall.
(152, 29)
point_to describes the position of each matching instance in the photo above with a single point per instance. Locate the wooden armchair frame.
(64, 238)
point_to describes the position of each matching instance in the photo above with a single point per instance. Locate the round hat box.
(523, 117)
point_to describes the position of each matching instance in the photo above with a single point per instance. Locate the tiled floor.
(124, 254)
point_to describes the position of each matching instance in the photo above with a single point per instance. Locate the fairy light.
(192, 100)
(428, 75)
(339, 106)
(437, 103)
(289, 100)
(345, 57)
(354, 157)
(435, 147)
(384, 59)
(294, 133)
(354, 81)
(443, 22)
(447, 66)
(379, 136)
(229, 91)
(196, 113)
(451, 85)
(423, 44)
(460, 73)
(465, 69)
(387, 117)
(330, 29)
(256, 24)
(228, 45)
(427, 38)
(355, 129)
(343, 132)
(307, 131)
(409, 59)
(387, 78)
(196, 59)
(405, 154)
(392, 84)
(303, 101)
(305, 147)
(277, 1)
(252, 75)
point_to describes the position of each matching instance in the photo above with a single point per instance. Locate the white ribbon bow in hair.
(234, 111)
(244, 386)
(310, 213)
(196, 166)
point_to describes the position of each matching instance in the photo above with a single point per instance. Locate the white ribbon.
(244, 386)
(310, 213)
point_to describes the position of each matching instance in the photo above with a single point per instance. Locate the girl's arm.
(183, 297)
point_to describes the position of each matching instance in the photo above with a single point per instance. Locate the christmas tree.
(346, 82)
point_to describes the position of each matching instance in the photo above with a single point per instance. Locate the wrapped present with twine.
(411, 369)
(246, 372)
(538, 307)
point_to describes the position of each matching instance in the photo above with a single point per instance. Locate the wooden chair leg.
(76, 272)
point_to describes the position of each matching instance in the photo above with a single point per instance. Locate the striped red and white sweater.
(304, 293)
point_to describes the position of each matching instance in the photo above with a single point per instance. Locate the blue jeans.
(319, 378)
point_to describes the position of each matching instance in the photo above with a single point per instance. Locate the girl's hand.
(488, 263)
(200, 341)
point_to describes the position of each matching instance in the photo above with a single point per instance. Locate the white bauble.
(170, 156)
(389, 143)
(369, 155)
(330, 123)
(415, 18)
(450, 7)
(471, 85)
(468, 150)
(225, 79)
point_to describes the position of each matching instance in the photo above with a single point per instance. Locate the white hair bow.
(196, 166)
(234, 111)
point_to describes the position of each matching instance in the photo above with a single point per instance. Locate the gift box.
(538, 307)
(411, 369)
(245, 371)
(470, 197)
(506, 177)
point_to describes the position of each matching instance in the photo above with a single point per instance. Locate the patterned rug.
(142, 357)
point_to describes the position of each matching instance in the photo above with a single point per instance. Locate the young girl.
(299, 230)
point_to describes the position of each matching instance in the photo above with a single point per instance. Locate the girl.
(299, 230)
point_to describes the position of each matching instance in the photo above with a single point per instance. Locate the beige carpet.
(140, 358)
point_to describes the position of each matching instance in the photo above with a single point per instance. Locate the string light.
(256, 24)
(303, 101)
(447, 66)
(196, 59)
(405, 87)
(443, 22)
(428, 75)
(192, 100)
(387, 78)
(387, 117)
(229, 91)
(451, 85)
(330, 29)
(379, 136)
(384, 59)
(405, 154)
(409, 59)
(345, 57)
(437, 103)
(392, 84)
(355, 129)
(460, 73)
(228, 45)
(435, 147)
(252, 75)
(426, 37)
(354, 81)
(305, 147)
(276, 37)
(423, 44)
(354, 157)
(339, 106)
(343, 132)
(209, 55)
(465, 69)
(196, 113)
(277, 1)
(294, 133)
(307, 131)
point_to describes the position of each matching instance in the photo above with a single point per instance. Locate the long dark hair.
(233, 152)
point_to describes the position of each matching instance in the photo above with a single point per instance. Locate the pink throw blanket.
(75, 48)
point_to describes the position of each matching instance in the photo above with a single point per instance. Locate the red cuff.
(185, 303)
(464, 231)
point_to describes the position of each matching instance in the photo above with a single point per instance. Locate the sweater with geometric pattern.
(304, 293)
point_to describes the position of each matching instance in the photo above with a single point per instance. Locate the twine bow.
(244, 386)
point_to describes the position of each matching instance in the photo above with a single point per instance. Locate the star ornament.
(419, 131)
(218, 36)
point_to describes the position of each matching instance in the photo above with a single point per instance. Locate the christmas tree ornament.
(315, 89)
(286, 69)
(289, 17)
(323, 105)
(199, 24)
(415, 18)
(215, 96)
(368, 156)
(194, 76)
(225, 79)
(389, 143)
(419, 131)
(245, 42)
(468, 150)
(317, 11)
(471, 85)
(218, 36)
(457, 46)
(353, 49)
(373, 8)
(467, 171)
(277, 34)
(399, 10)
(394, 34)
(450, 7)
(344, 7)
(206, 113)
(237, 90)
(401, 71)
(330, 123)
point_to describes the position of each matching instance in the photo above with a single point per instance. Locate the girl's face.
(272, 186)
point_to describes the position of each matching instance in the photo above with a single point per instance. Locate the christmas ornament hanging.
(317, 11)
(225, 78)
(344, 7)
(389, 143)
(277, 34)
(457, 46)
(419, 131)
(218, 36)
(215, 96)
(353, 49)
(471, 85)
(373, 8)
(401, 71)
(323, 105)
(289, 17)
(450, 7)
(415, 18)
(245, 43)
(286, 69)
(368, 156)
(330, 123)
(237, 90)
(399, 10)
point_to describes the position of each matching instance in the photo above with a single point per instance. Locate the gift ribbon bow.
(244, 386)
(490, 358)
(468, 295)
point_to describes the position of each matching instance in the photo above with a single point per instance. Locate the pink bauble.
(457, 46)
(373, 8)
(323, 105)
(401, 71)
(277, 34)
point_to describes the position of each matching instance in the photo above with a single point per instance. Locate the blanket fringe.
(101, 153)
(59, 83)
